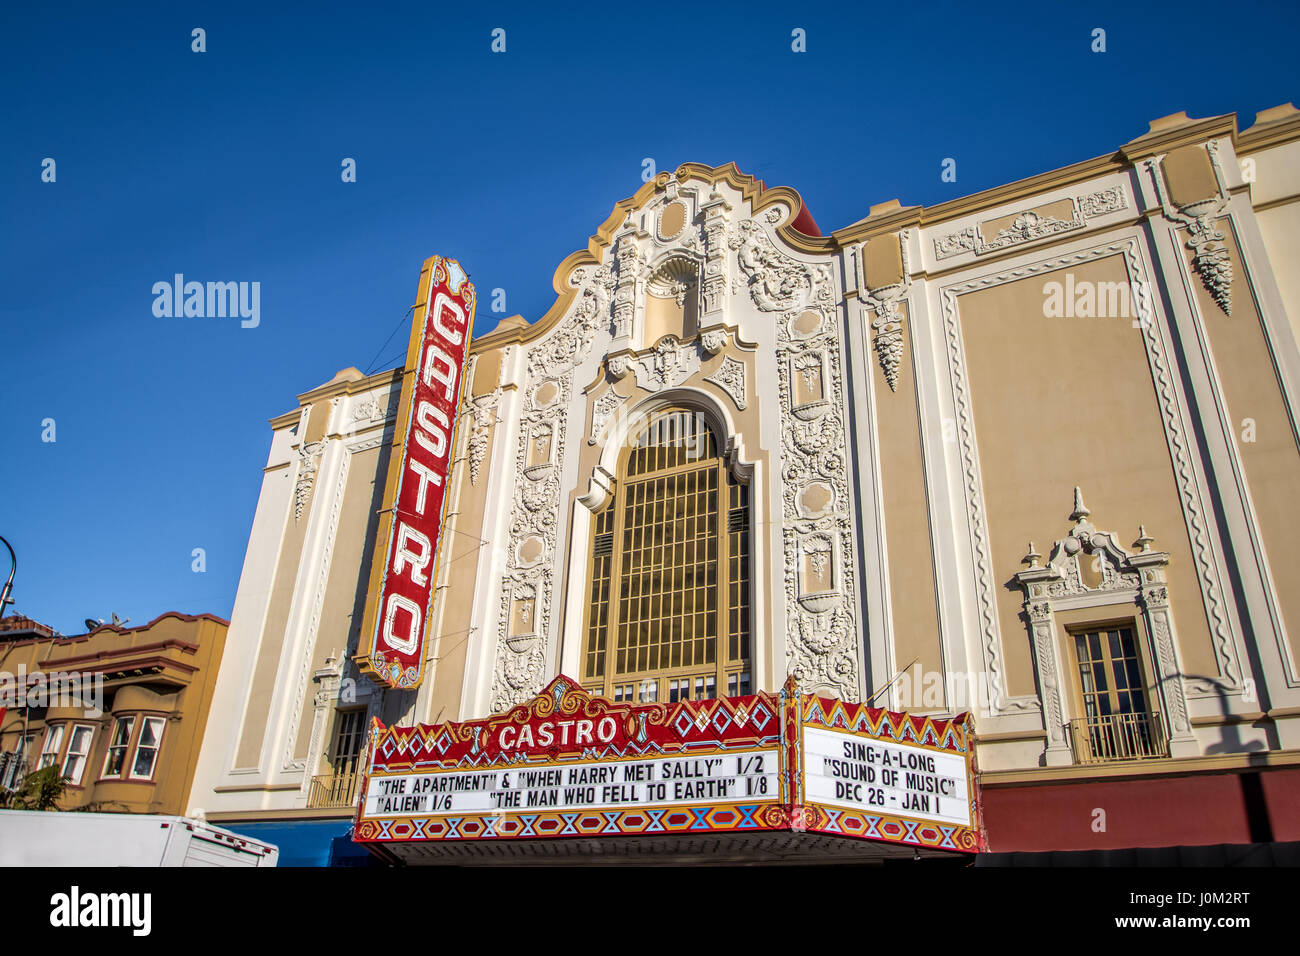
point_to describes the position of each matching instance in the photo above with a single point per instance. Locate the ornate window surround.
(601, 482)
(726, 463)
(1129, 581)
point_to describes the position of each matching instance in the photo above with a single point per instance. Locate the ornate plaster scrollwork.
(887, 326)
(674, 278)
(821, 649)
(308, 459)
(570, 343)
(715, 212)
(520, 657)
(1029, 225)
(630, 260)
(1105, 201)
(730, 377)
(669, 363)
(482, 413)
(1210, 257)
(479, 413)
(1115, 576)
(714, 341)
(602, 410)
(619, 365)
(370, 409)
(776, 282)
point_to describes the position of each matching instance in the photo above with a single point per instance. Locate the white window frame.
(145, 720)
(125, 748)
(54, 732)
(84, 755)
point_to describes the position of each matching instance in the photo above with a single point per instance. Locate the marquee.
(567, 766)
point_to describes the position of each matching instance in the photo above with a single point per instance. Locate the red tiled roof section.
(803, 222)
(22, 624)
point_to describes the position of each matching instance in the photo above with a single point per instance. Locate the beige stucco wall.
(907, 522)
(1280, 228)
(266, 671)
(345, 592)
(1060, 402)
(449, 636)
(1253, 395)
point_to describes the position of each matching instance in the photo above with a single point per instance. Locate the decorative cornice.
(1274, 127)
(1171, 132)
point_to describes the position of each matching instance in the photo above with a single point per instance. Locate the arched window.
(668, 614)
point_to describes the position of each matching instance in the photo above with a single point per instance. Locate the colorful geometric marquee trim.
(686, 819)
(565, 727)
(952, 734)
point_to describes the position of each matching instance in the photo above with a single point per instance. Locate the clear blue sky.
(225, 166)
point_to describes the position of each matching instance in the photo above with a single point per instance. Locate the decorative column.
(1042, 623)
(715, 212)
(625, 292)
(1154, 600)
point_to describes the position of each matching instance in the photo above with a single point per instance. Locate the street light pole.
(5, 599)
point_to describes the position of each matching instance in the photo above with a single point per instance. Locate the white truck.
(34, 838)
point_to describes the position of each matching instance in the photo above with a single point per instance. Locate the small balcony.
(333, 791)
(1118, 737)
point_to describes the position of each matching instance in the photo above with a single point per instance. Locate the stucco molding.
(887, 326)
(304, 482)
(1030, 226)
(821, 647)
(481, 414)
(1209, 574)
(730, 377)
(1121, 578)
(1211, 258)
(668, 363)
(323, 560)
(520, 657)
(602, 410)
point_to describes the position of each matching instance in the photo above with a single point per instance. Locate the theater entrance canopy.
(781, 778)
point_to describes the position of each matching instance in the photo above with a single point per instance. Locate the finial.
(1144, 540)
(1031, 558)
(1080, 509)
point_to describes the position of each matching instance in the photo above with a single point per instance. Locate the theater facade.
(1019, 466)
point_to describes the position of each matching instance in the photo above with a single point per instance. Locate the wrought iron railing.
(333, 790)
(1118, 737)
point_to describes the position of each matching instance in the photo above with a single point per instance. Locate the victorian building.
(121, 712)
(1029, 453)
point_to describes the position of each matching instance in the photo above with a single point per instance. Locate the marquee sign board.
(396, 619)
(567, 765)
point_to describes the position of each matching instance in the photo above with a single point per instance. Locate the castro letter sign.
(402, 588)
